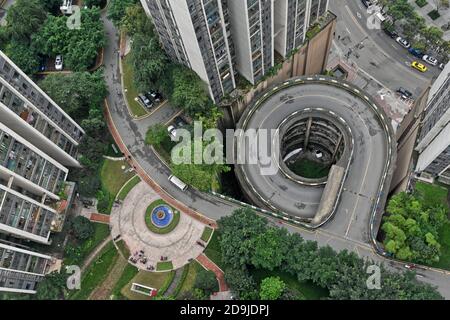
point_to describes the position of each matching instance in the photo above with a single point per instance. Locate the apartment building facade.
(252, 26)
(292, 20)
(434, 139)
(38, 143)
(196, 33)
(220, 38)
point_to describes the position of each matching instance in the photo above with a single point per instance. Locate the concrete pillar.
(308, 132)
(336, 149)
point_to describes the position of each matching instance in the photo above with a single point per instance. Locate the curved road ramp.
(331, 122)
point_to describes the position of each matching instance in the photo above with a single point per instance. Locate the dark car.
(42, 64)
(416, 52)
(366, 3)
(404, 92)
(391, 33)
(154, 95)
(179, 122)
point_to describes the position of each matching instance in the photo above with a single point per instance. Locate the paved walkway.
(208, 264)
(94, 253)
(128, 221)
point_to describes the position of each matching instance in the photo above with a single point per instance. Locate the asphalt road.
(380, 56)
(133, 132)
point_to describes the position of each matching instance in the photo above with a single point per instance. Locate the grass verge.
(164, 265)
(128, 187)
(213, 250)
(129, 273)
(131, 91)
(206, 234)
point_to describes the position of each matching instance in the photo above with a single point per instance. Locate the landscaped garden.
(128, 187)
(161, 218)
(421, 3)
(309, 169)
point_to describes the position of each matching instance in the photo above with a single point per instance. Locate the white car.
(403, 42)
(59, 63)
(430, 60)
(172, 132)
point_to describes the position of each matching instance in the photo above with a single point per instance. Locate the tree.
(148, 60)
(241, 283)
(272, 288)
(24, 18)
(51, 287)
(51, 6)
(156, 134)
(117, 10)
(207, 282)
(77, 92)
(94, 3)
(82, 228)
(24, 56)
(136, 21)
(238, 236)
(270, 249)
(189, 92)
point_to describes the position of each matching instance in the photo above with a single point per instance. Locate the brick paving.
(98, 217)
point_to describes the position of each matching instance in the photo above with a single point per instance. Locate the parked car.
(416, 52)
(418, 66)
(42, 63)
(59, 62)
(172, 132)
(391, 33)
(404, 92)
(430, 60)
(154, 95)
(367, 3)
(179, 122)
(403, 42)
(146, 101)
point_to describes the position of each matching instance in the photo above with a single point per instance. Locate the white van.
(180, 184)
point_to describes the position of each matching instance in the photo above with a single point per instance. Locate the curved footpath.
(130, 134)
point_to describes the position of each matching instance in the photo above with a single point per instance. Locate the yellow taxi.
(418, 66)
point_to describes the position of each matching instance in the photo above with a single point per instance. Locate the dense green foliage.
(272, 288)
(82, 228)
(79, 47)
(244, 241)
(206, 281)
(117, 10)
(52, 287)
(412, 229)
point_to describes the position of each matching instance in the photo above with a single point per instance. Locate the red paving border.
(98, 217)
(208, 264)
(145, 177)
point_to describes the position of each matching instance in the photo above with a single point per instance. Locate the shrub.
(82, 228)
(421, 3)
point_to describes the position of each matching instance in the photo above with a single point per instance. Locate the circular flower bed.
(161, 218)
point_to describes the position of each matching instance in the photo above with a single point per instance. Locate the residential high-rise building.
(38, 142)
(434, 140)
(252, 26)
(196, 33)
(292, 20)
(213, 36)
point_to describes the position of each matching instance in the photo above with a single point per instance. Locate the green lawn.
(96, 273)
(150, 279)
(432, 194)
(131, 91)
(113, 177)
(305, 290)
(444, 240)
(128, 187)
(167, 283)
(206, 234)
(123, 248)
(309, 169)
(213, 250)
(189, 281)
(164, 265)
(148, 220)
(101, 231)
(129, 273)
